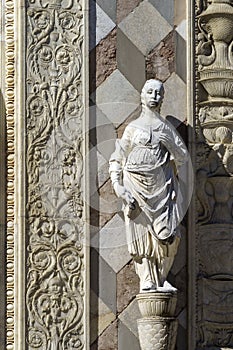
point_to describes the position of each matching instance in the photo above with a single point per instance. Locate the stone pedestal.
(158, 327)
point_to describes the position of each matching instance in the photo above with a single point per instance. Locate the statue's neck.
(150, 115)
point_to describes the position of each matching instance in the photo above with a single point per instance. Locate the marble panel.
(103, 170)
(127, 286)
(151, 27)
(108, 339)
(103, 281)
(180, 11)
(182, 29)
(181, 285)
(160, 63)
(181, 64)
(166, 8)
(133, 116)
(109, 6)
(130, 316)
(101, 316)
(102, 132)
(181, 257)
(181, 342)
(116, 97)
(183, 318)
(107, 285)
(102, 60)
(127, 53)
(126, 339)
(111, 243)
(125, 7)
(175, 98)
(100, 24)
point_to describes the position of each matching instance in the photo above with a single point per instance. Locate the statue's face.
(153, 94)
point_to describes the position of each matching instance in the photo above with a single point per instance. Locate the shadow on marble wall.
(94, 217)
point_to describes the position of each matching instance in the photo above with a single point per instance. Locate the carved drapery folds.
(214, 158)
(54, 168)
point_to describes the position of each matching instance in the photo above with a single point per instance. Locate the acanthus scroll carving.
(54, 161)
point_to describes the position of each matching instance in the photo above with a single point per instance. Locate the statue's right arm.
(116, 164)
(119, 156)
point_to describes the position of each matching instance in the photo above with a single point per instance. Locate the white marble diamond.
(182, 29)
(175, 103)
(130, 316)
(100, 24)
(116, 98)
(111, 243)
(101, 316)
(145, 27)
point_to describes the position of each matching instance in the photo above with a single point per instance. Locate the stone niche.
(48, 186)
(122, 58)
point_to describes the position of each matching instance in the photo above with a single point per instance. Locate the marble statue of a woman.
(143, 172)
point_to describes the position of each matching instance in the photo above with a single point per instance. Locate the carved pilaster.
(214, 161)
(55, 149)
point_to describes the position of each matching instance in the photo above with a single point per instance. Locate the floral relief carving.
(55, 225)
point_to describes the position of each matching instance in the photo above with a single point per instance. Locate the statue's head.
(152, 94)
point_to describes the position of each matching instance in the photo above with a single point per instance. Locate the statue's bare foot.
(167, 287)
(148, 287)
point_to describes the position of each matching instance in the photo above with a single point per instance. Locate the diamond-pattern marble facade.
(136, 40)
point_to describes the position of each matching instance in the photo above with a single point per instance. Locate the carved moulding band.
(9, 12)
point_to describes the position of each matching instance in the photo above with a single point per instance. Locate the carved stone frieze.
(214, 171)
(54, 169)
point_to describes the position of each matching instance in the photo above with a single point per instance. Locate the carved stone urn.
(158, 327)
(217, 77)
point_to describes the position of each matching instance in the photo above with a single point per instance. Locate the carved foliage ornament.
(55, 272)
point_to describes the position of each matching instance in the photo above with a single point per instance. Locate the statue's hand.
(123, 193)
(164, 139)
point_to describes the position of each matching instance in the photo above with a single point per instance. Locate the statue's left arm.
(175, 145)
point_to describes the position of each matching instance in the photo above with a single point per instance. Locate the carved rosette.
(54, 167)
(157, 329)
(214, 158)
